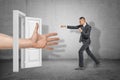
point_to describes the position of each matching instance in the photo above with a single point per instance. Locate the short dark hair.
(82, 18)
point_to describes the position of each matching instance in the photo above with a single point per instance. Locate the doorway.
(23, 27)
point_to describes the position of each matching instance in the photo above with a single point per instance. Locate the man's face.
(81, 21)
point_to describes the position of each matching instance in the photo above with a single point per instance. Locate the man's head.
(82, 20)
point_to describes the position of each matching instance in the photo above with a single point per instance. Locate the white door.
(33, 57)
(30, 57)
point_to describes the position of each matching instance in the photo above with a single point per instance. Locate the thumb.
(35, 33)
(36, 28)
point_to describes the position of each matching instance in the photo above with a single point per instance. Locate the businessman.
(85, 30)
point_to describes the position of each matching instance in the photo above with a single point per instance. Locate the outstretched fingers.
(49, 48)
(51, 34)
(52, 43)
(53, 39)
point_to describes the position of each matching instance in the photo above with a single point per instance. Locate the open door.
(23, 28)
(33, 57)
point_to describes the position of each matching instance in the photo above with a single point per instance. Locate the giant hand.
(43, 41)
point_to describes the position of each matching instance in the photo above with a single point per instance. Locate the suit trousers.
(85, 47)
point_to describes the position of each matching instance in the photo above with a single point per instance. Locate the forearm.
(6, 42)
(25, 43)
(72, 27)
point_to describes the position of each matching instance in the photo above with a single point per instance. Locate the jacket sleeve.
(87, 33)
(73, 27)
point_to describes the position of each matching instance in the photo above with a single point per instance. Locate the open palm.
(43, 41)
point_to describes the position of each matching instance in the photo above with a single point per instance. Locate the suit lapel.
(85, 27)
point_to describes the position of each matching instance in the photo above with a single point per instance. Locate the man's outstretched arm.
(70, 27)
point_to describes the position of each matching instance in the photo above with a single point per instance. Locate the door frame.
(16, 14)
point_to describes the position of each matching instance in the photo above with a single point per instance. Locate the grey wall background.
(102, 15)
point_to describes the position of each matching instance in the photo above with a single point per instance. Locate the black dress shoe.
(80, 68)
(97, 64)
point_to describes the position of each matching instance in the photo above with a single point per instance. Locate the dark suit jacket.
(85, 34)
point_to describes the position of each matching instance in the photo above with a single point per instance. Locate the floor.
(63, 70)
